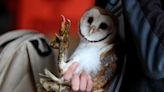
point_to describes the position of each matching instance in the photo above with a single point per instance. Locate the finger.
(69, 73)
(83, 81)
(89, 84)
(75, 82)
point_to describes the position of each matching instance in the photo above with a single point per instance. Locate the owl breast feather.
(88, 59)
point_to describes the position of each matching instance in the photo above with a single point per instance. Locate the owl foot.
(52, 83)
(62, 37)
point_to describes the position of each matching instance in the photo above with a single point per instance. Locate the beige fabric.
(21, 63)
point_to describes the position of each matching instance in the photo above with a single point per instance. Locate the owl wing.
(108, 69)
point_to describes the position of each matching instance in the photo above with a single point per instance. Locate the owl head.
(97, 25)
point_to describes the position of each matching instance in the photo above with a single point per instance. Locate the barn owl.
(95, 53)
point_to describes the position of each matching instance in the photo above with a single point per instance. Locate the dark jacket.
(144, 43)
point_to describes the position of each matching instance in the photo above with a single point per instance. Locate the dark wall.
(6, 17)
(101, 3)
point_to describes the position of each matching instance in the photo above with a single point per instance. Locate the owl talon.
(54, 44)
(51, 76)
(52, 83)
(69, 24)
(50, 86)
(63, 23)
(58, 38)
(63, 18)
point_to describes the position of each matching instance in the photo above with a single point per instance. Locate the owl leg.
(64, 43)
(65, 65)
(50, 86)
(52, 83)
(61, 43)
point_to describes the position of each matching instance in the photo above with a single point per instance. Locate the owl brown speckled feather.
(107, 71)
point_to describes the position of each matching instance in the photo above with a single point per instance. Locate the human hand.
(82, 82)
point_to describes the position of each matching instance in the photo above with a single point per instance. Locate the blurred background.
(41, 15)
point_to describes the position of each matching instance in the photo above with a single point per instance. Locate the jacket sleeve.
(146, 19)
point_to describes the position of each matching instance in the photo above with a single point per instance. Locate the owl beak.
(92, 30)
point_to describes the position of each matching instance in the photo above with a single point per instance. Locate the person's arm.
(146, 19)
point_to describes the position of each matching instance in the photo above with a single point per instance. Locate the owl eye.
(103, 26)
(90, 20)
